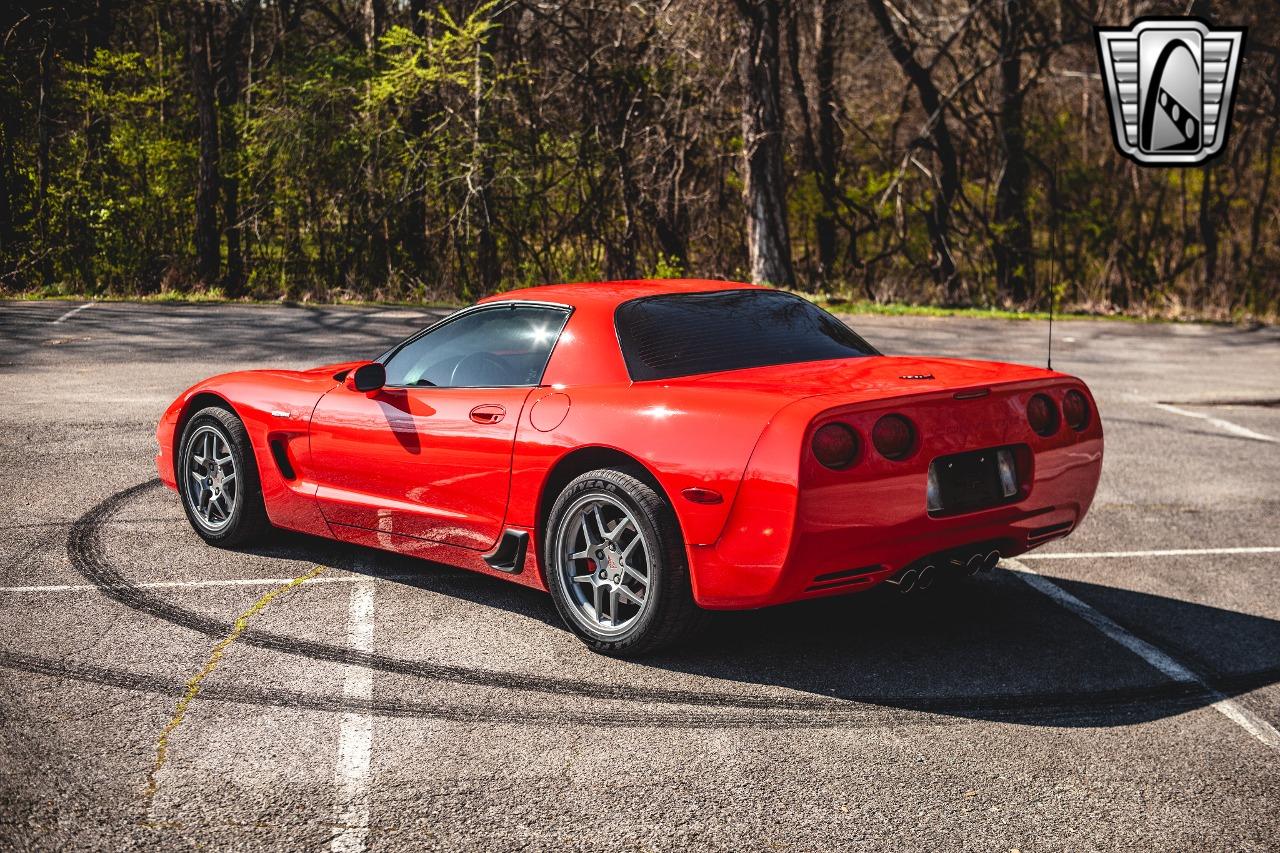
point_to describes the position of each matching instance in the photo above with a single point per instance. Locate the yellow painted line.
(211, 664)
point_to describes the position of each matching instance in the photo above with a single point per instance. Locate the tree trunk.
(8, 182)
(482, 167)
(820, 130)
(1208, 234)
(824, 68)
(1015, 270)
(231, 69)
(374, 15)
(199, 38)
(43, 123)
(938, 219)
(764, 192)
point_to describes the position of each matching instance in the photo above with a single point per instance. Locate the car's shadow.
(991, 647)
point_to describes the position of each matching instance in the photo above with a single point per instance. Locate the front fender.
(275, 407)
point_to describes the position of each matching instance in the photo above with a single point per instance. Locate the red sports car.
(645, 450)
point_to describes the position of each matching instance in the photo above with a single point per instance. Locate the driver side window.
(494, 347)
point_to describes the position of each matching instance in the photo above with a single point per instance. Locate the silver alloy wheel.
(604, 564)
(212, 482)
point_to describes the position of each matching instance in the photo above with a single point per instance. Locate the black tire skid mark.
(85, 549)
(1168, 702)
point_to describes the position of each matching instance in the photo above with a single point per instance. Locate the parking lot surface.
(1115, 690)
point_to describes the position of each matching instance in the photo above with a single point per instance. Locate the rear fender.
(685, 439)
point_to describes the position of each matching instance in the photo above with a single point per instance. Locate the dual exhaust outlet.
(911, 579)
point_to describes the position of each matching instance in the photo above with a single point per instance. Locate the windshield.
(682, 334)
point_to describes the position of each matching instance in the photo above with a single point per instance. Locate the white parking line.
(1227, 426)
(1259, 728)
(1167, 552)
(73, 312)
(355, 736)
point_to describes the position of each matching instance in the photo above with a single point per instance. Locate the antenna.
(1053, 297)
(1053, 253)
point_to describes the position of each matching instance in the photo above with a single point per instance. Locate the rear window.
(681, 334)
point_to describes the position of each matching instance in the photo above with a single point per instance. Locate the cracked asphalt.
(389, 704)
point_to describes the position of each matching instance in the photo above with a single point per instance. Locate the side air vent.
(845, 578)
(1053, 531)
(281, 456)
(509, 555)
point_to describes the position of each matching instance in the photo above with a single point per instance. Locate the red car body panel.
(411, 471)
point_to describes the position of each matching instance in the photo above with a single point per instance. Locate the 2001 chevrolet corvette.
(644, 450)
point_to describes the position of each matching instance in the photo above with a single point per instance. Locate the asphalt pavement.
(1115, 690)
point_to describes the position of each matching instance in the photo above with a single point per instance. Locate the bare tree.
(939, 134)
(768, 237)
(1015, 265)
(203, 87)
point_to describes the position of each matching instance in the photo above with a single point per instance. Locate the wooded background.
(950, 152)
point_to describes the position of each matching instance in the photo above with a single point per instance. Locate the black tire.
(670, 614)
(247, 519)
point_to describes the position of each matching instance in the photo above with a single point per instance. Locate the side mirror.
(367, 377)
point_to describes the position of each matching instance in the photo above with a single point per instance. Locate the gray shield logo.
(1169, 84)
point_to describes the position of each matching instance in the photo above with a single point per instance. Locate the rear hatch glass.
(682, 334)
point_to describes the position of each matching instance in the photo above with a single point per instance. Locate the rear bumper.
(838, 562)
(784, 541)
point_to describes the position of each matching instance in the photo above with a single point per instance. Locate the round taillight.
(1042, 414)
(836, 446)
(894, 437)
(1075, 410)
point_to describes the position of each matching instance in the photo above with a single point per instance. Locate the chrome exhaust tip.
(926, 578)
(905, 581)
(990, 561)
(975, 564)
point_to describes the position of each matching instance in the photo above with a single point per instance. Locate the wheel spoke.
(602, 531)
(622, 525)
(637, 574)
(637, 600)
(583, 578)
(626, 552)
(586, 533)
(598, 602)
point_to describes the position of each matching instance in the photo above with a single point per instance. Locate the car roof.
(612, 293)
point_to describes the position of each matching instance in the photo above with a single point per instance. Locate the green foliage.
(489, 145)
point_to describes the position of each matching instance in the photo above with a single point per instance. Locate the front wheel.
(616, 566)
(218, 479)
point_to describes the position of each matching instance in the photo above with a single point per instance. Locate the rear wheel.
(616, 566)
(218, 479)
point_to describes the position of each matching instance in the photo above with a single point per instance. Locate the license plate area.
(974, 480)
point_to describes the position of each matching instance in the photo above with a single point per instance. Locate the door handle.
(489, 413)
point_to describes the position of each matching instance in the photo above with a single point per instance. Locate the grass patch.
(902, 309)
(215, 297)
